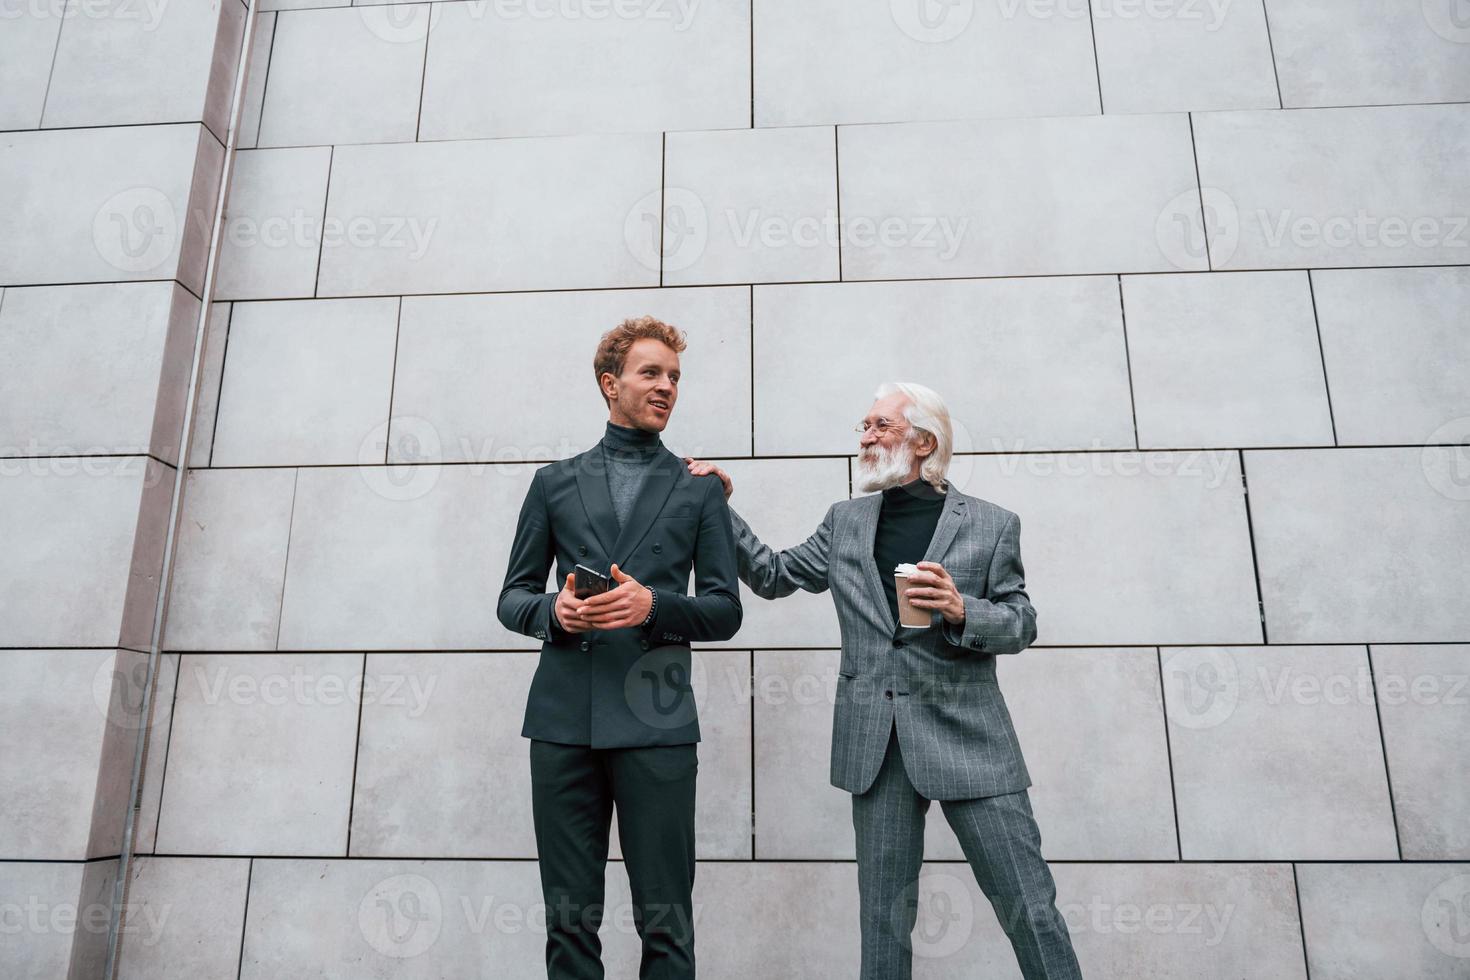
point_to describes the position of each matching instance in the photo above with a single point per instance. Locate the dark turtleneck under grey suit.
(611, 714)
(919, 715)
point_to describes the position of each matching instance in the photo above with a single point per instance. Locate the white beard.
(889, 469)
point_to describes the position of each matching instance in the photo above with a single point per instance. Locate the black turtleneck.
(627, 453)
(906, 523)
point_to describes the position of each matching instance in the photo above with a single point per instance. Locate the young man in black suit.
(611, 715)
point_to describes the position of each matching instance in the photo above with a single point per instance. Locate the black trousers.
(573, 791)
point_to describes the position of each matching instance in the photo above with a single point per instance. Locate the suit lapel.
(596, 500)
(949, 525)
(867, 537)
(658, 483)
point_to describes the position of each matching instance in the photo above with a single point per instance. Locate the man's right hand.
(697, 468)
(568, 608)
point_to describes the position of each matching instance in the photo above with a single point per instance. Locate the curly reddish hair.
(612, 349)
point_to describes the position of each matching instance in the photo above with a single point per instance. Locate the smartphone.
(588, 582)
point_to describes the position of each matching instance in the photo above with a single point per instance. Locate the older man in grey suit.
(919, 715)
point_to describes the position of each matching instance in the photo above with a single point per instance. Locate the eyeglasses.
(884, 426)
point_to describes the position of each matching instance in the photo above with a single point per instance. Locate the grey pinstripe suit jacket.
(938, 684)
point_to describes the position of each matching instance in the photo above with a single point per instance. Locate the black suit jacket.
(625, 687)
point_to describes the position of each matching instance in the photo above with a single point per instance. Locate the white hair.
(926, 413)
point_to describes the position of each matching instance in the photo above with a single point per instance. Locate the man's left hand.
(932, 588)
(626, 604)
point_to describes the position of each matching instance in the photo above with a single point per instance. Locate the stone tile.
(614, 69)
(307, 382)
(206, 409)
(96, 369)
(834, 62)
(1127, 548)
(1334, 53)
(722, 803)
(273, 224)
(410, 920)
(344, 76)
(1335, 187)
(492, 215)
(750, 205)
(1091, 724)
(1398, 384)
(401, 558)
(260, 756)
(27, 48)
(448, 344)
(230, 568)
(253, 97)
(1225, 360)
(1386, 921)
(437, 774)
(1050, 369)
(69, 200)
(183, 921)
(47, 913)
(1423, 695)
(300, 4)
(121, 64)
(915, 205)
(78, 571)
(784, 500)
(1183, 920)
(1181, 56)
(1330, 576)
(800, 815)
(1276, 754)
(54, 706)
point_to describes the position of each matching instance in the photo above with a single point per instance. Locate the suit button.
(643, 644)
(888, 695)
(586, 645)
(582, 550)
(658, 549)
(898, 643)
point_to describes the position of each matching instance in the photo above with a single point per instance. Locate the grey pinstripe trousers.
(1003, 846)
